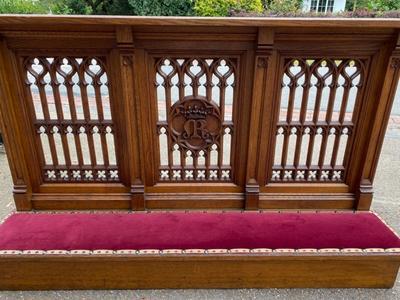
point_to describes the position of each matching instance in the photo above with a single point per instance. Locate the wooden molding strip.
(44, 20)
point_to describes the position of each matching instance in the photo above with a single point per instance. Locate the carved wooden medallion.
(195, 123)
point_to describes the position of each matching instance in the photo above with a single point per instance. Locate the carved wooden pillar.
(378, 118)
(265, 42)
(15, 131)
(130, 110)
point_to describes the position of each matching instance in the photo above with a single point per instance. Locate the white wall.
(306, 5)
(339, 5)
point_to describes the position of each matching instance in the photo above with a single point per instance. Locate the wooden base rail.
(191, 271)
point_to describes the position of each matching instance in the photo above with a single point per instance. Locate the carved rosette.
(195, 123)
(262, 62)
(395, 63)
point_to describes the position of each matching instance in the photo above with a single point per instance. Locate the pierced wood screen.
(194, 114)
(70, 104)
(318, 109)
(195, 101)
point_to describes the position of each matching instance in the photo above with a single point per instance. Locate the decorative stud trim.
(188, 212)
(240, 250)
(172, 251)
(196, 251)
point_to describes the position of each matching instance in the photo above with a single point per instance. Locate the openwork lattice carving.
(71, 110)
(318, 109)
(195, 100)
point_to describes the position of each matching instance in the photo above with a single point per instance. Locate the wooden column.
(379, 118)
(15, 130)
(129, 107)
(264, 46)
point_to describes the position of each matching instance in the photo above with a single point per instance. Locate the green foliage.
(71, 7)
(355, 4)
(215, 8)
(384, 5)
(120, 7)
(182, 7)
(376, 5)
(93, 7)
(162, 7)
(21, 7)
(284, 6)
(127, 7)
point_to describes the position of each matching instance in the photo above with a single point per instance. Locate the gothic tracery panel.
(318, 110)
(195, 100)
(70, 102)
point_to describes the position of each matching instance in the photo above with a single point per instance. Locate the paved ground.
(386, 203)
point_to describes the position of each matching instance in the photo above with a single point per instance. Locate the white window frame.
(320, 7)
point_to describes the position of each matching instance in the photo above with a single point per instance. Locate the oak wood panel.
(205, 201)
(23, 180)
(261, 51)
(211, 271)
(194, 188)
(82, 188)
(78, 201)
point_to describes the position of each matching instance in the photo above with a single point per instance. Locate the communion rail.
(195, 113)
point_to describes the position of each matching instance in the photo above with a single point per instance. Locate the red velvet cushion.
(179, 230)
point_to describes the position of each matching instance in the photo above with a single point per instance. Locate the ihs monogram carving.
(195, 123)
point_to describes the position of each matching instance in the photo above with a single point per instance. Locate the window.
(329, 7)
(314, 4)
(322, 6)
